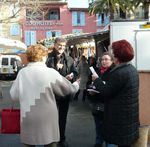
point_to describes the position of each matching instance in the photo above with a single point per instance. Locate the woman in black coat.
(120, 95)
(97, 106)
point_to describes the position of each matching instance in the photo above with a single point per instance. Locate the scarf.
(103, 69)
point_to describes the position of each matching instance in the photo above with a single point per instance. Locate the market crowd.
(46, 85)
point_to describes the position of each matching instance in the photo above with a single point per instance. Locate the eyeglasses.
(105, 59)
(61, 45)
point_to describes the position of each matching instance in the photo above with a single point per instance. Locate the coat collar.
(36, 64)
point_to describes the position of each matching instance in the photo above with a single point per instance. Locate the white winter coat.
(35, 87)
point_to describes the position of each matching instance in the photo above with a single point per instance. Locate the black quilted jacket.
(121, 115)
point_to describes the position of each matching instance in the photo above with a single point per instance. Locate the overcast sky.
(78, 3)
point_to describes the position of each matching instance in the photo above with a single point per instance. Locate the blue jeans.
(98, 128)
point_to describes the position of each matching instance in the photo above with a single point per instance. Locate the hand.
(94, 77)
(92, 93)
(59, 66)
(69, 77)
(78, 80)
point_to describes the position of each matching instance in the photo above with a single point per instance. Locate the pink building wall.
(65, 21)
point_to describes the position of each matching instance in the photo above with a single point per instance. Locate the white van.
(9, 66)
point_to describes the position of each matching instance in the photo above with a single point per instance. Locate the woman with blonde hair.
(35, 87)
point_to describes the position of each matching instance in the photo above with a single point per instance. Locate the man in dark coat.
(63, 63)
(120, 94)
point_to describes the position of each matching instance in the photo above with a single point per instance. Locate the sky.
(78, 3)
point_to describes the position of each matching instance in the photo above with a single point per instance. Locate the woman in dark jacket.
(97, 106)
(120, 95)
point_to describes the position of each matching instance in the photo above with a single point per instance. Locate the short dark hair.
(60, 39)
(109, 54)
(123, 50)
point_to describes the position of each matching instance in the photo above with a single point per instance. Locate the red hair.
(123, 50)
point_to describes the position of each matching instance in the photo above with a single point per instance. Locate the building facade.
(50, 18)
(59, 18)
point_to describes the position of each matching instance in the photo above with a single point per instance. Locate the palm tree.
(146, 4)
(136, 3)
(110, 6)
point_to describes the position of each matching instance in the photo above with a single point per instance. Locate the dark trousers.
(84, 95)
(98, 128)
(98, 119)
(63, 107)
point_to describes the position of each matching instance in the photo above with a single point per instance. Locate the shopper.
(83, 74)
(97, 105)
(60, 61)
(120, 94)
(36, 87)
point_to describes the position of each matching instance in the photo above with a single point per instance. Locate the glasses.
(105, 59)
(61, 45)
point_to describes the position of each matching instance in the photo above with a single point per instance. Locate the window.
(102, 19)
(50, 34)
(30, 38)
(14, 30)
(77, 31)
(78, 18)
(5, 61)
(12, 61)
(34, 15)
(54, 14)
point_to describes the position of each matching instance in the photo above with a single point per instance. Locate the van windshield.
(4, 61)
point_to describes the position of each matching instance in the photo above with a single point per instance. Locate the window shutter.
(14, 29)
(48, 34)
(33, 37)
(30, 38)
(58, 33)
(82, 18)
(99, 19)
(74, 18)
(27, 38)
(106, 20)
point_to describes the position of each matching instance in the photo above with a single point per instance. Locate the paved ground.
(80, 127)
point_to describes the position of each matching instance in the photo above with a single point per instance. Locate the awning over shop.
(88, 37)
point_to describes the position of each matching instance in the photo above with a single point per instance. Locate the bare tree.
(34, 9)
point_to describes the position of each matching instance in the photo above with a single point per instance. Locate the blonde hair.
(36, 53)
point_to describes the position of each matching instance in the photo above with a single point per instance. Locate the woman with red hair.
(120, 94)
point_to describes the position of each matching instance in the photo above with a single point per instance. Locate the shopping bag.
(10, 121)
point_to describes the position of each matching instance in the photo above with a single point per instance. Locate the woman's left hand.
(94, 77)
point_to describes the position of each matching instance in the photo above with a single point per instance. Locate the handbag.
(10, 121)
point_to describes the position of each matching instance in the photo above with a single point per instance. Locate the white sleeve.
(14, 91)
(64, 87)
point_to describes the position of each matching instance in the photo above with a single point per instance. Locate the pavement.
(80, 125)
(79, 133)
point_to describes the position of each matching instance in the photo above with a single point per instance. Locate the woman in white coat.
(35, 87)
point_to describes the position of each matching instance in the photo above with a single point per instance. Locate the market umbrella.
(10, 44)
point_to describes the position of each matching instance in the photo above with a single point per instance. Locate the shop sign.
(43, 23)
(40, 28)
